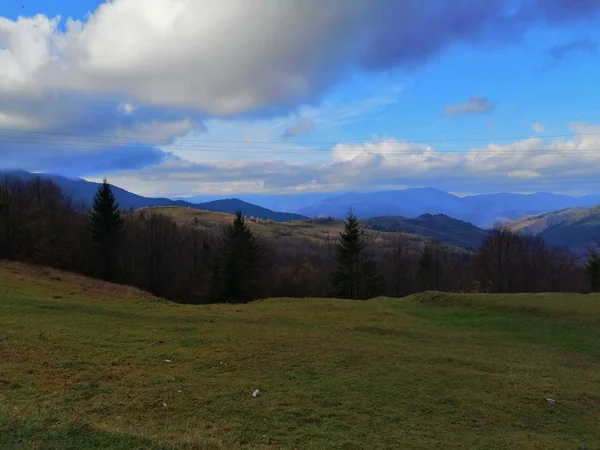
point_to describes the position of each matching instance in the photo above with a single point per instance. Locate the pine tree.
(350, 246)
(106, 225)
(241, 263)
(592, 268)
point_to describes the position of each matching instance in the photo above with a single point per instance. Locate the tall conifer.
(106, 225)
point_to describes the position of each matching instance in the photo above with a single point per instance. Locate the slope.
(85, 365)
(83, 191)
(578, 233)
(538, 223)
(453, 232)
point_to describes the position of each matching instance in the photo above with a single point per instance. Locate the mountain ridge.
(482, 210)
(83, 191)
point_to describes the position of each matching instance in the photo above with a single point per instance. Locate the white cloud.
(13, 120)
(162, 67)
(529, 165)
(538, 127)
(228, 57)
(25, 53)
(127, 108)
(526, 174)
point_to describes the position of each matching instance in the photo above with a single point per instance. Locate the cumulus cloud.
(229, 57)
(477, 104)
(531, 164)
(304, 125)
(157, 67)
(538, 127)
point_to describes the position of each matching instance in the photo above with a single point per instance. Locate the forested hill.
(83, 191)
(453, 232)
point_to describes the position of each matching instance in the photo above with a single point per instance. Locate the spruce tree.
(241, 263)
(106, 225)
(592, 268)
(346, 277)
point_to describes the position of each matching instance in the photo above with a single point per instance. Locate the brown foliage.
(40, 225)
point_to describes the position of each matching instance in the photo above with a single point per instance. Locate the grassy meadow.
(86, 364)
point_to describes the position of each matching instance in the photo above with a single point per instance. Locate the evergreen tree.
(349, 249)
(374, 283)
(106, 225)
(592, 268)
(237, 276)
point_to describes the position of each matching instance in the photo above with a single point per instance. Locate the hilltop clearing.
(87, 364)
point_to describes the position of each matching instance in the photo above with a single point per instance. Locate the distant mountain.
(231, 205)
(278, 202)
(82, 191)
(482, 210)
(454, 232)
(406, 203)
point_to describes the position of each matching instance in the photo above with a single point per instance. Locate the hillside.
(82, 191)
(453, 232)
(538, 223)
(572, 228)
(92, 365)
(577, 233)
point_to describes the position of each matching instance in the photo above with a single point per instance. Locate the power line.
(11, 132)
(296, 150)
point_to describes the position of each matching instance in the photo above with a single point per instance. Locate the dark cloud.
(281, 55)
(72, 160)
(474, 105)
(201, 65)
(76, 134)
(304, 126)
(559, 52)
(559, 11)
(409, 33)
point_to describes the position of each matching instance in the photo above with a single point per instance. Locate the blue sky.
(176, 97)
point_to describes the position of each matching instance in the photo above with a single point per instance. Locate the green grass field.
(84, 364)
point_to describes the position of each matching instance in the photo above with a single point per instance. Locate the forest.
(40, 225)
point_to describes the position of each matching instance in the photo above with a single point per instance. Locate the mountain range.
(83, 191)
(482, 210)
(562, 220)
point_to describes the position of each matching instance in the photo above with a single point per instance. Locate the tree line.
(39, 224)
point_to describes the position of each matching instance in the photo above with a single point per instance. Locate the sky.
(223, 97)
